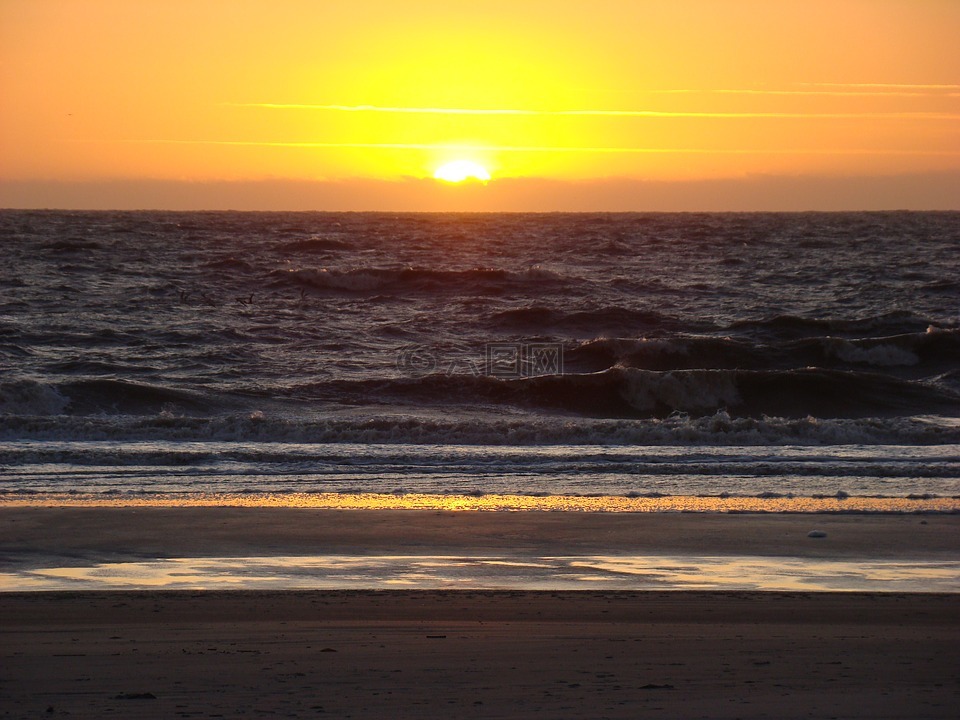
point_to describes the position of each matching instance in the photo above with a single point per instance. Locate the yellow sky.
(224, 90)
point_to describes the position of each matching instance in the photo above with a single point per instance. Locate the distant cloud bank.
(931, 191)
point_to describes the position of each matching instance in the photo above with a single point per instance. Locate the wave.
(410, 279)
(718, 429)
(614, 393)
(918, 354)
(791, 393)
(796, 327)
(942, 286)
(607, 320)
(338, 459)
(37, 340)
(228, 264)
(29, 397)
(654, 353)
(72, 245)
(628, 392)
(313, 244)
(96, 367)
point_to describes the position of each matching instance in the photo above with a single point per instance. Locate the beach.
(479, 654)
(111, 532)
(428, 360)
(378, 465)
(473, 653)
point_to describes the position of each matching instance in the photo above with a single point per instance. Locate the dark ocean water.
(678, 354)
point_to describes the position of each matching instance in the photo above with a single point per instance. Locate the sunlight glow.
(368, 99)
(460, 170)
(496, 502)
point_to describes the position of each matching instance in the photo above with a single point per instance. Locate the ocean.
(573, 359)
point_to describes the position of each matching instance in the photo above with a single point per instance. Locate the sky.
(599, 105)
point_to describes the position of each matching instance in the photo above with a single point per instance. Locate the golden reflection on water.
(529, 572)
(497, 503)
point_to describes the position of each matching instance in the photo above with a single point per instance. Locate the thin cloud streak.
(810, 93)
(905, 86)
(907, 91)
(599, 113)
(539, 148)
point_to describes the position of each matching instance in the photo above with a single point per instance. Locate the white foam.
(720, 428)
(877, 355)
(30, 397)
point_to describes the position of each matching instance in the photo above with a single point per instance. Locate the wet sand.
(473, 654)
(449, 654)
(112, 532)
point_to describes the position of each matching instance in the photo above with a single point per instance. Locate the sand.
(224, 531)
(474, 654)
(479, 655)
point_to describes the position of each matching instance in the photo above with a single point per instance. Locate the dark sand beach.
(112, 531)
(484, 654)
(479, 654)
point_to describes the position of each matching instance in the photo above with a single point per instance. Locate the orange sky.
(102, 102)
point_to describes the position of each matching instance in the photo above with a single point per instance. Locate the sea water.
(184, 355)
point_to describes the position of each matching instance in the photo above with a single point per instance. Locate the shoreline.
(612, 504)
(212, 548)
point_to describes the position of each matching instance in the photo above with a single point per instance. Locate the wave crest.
(717, 429)
(412, 279)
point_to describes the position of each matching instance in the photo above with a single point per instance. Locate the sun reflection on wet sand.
(493, 502)
(526, 572)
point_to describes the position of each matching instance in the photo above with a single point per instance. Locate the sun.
(460, 170)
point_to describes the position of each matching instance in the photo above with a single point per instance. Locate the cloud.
(601, 113)
(549, 148)
(930, 191)
(911, 86)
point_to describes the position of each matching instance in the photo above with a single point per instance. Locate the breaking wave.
(916, 354)
(718, 429)
(628, 392)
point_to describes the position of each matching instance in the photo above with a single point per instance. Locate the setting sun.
(504, 106)
(460, 170)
